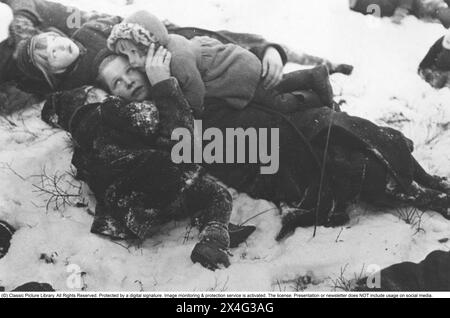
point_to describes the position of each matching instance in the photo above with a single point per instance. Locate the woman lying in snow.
(362, 161)
(435, 67)
(122, 151)
(328, 159)
(399, 9)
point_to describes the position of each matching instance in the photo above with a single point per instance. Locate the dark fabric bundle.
(430, 275)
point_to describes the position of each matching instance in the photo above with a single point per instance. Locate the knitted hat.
(26, 62)
(141, 28)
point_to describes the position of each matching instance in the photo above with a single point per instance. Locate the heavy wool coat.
(122, 151)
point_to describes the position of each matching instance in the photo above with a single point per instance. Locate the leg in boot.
(296, 81)
(215, 204)
(239, 234)
(316, 79)
(345, 69)
(424, 198)
(322, 85)
(308, 213)
(428, 181)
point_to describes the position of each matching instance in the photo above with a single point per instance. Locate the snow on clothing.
(123, 153)
(362, 160)
(205, 67)
(435, 67)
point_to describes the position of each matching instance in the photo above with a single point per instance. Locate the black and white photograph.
(225, 148)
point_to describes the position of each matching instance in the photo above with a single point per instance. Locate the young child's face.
(61, 52)
(135, 55)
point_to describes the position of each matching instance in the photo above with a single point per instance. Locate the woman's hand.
(272, 68)
(157, 65)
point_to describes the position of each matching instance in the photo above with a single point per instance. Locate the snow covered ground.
(55, 246)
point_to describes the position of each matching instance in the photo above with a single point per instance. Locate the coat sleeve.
(138, 203)
(254, 43)
(432, 55)
(174, 109)
(46, 14)
(184, 68)
(139, 119)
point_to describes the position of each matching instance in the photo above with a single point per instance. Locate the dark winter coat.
(122, 151)
(355, 146)
(430, 275)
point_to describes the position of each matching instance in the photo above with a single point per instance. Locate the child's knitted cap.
(142, 28)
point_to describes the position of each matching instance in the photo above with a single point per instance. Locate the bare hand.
(272, 68)
(157, 65)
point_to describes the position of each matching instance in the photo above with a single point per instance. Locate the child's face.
(61, 52)
(135, 56)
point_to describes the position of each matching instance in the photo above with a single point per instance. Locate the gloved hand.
(212, 251)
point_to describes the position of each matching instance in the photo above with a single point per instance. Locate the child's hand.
(157, 65)
(272, 68)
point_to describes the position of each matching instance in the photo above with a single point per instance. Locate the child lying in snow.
(122, 152)
(205, 67)
(51, 61)
(435, 67)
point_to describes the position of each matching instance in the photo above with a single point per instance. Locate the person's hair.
(100, 80)
(125, 44)
(39, 56)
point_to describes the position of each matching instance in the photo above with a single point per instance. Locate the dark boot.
(6, 233)
(293, 219)
(239, 234)
(322, 85)
(338, 217)
(426, 180)
(212, 251)
(425, 199)
(345, 69)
